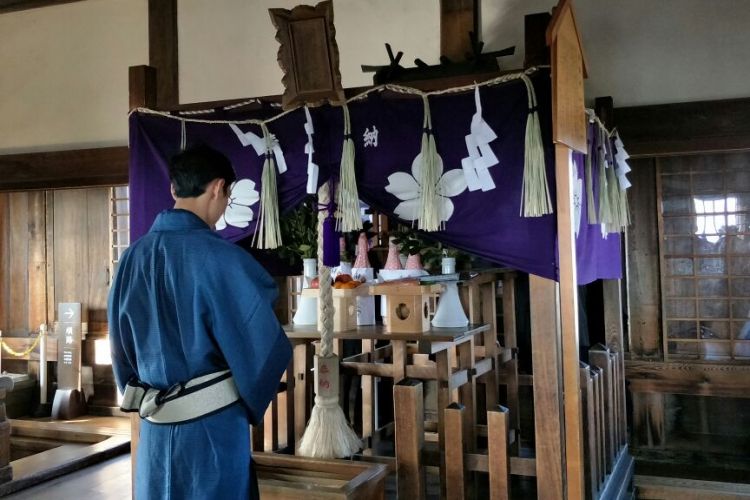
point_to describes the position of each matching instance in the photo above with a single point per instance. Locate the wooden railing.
(607, 464)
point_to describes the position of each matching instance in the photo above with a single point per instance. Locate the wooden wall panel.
(4, 259)
(97, 272)
(643, 263)
(81, 249)
(19, 248)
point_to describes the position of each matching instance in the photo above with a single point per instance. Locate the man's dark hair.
(191, 170)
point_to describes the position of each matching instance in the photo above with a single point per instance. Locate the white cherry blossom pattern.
(406, 188)
(242, 195)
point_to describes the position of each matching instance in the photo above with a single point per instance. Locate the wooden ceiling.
(16, 5)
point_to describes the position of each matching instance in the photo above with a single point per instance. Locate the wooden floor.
(108, 480)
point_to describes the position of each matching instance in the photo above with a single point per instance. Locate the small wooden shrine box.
(344, 305)
(408, 306)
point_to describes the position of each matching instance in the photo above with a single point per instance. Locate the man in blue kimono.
(186, 304)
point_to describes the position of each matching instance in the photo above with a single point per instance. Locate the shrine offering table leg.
(443, 400)
(409, 428)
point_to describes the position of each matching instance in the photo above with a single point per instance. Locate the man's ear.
(217, 189)
(171, 190)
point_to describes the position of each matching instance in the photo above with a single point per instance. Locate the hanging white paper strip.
(312, 168)
(481, 157)
(260, 146)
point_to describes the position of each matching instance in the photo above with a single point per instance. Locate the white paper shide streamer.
(481, 157)
(312, 168)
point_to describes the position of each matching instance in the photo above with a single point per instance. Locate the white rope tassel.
(536, 200)
(348, 217)
(268, 233)
(429, 203)
(328, 434)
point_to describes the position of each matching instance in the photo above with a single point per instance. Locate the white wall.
(64, 73)
(63, 69)
(228, 49)
(644, 51)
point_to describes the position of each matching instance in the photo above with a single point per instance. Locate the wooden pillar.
(548, 399)
(569, 134)
(142, 90)
(457, 19)
(163, 50)
(408, 414)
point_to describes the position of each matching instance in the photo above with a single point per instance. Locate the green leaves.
(299, 232)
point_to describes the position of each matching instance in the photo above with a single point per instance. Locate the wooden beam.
(16, 5)
(163, 50)
(720, 380)
(457, 19)
(642, 248)
(64, 169)
(685, 128)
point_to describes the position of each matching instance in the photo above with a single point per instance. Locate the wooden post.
(163, 50)
(455, 478)
(511, 342)
(457, 19)
(591, 473)
(408, 414)
(142, 90)
(498, 462)
(548, 404)
(569, 134)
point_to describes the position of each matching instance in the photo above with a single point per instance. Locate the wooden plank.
(163, 50)
(408, 403)
(548, 405)
(643, 263)
(64, 169)
(719, 380)
(669, 488)
(467, 393)
(569, 323)
(568, 72)
(615, 339)
(443, 400)
(591, 473)
(19, 257)
(457, 19)
(685, 128)
(455, 481)
(49, 223)
(497, 443)
(97, 271)
(601, 359)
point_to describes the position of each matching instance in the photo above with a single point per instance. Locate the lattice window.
(705, 257)
(119, 223)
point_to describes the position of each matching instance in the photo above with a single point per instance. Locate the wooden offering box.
(344, 305)
(293, 478)
(408, 306)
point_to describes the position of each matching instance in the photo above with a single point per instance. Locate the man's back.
(185, 303)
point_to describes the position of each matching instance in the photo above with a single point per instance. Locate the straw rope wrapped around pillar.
(328, 434)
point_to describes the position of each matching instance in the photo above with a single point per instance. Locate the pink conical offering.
(362, 248)
(414, 262)
(392, 262)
